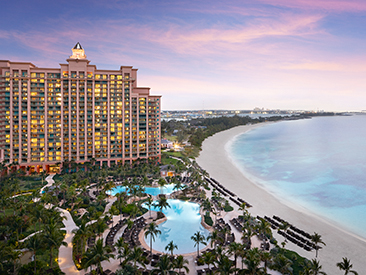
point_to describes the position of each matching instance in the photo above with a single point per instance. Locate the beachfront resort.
(83, 188)
(127, 219)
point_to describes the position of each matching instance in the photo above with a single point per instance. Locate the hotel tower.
(50, 116)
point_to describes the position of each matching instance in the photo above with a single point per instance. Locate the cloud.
(317, 66)
(325, 5)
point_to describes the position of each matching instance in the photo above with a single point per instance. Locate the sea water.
(318, 163)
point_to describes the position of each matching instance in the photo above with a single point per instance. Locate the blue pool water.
(154, 191)
(318, 163)
(183, 220)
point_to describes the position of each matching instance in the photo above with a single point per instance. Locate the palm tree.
(149, 203)
(266, 258)
(121, 245)
(162, 203)
(235, 249)
(152, 231)
(96, 255)
(317, 239)
(161, 183)
(225, 266)
(209, 258)
(180, 263)
(215, 238)
(136, 255)
(198, 238)
(83, 232)
(170, 247)
(13, 254)
(252, 261)
(100, 227)
(165, 266)
(33, 244)
(53, 237)
(264, 229)
(315, 268)
(282, 264)
(284, 226)
(346, 266)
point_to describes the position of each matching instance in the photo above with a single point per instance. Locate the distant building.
(167, 171)
(75, 113)
(166, 144)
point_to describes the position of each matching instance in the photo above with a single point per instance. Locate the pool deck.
(65, 253)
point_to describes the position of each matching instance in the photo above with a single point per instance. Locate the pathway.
(65, 260)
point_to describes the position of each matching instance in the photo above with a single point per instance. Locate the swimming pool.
(154, 191)
(183, 220)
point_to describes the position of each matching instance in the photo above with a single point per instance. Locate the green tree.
(53, 237)
(121, 246)
(152, 231)
(317, 239)
(252, 262)
(164, 267)
(215, 238)
(235, 248)
(315, 268)
(136, 256)
(162, 203)
(170, 247)
(346, 266)
(34, 243)
(96, 255)
(198, 238)
(180, 262)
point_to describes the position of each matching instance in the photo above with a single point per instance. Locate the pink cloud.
(329, 5)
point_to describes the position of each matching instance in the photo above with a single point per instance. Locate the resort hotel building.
(75, 113)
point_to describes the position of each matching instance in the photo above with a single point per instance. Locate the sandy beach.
(339, 243)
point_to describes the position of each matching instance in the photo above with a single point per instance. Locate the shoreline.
(339, 242)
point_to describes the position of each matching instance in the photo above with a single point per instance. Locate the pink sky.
(277, 54)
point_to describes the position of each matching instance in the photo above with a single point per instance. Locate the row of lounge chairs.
(112, 233)
(217, 204)
(237, 224)
(223, 187)
(290, 235)
(226, 192)
(294, 228)
(219, 226)
(132, 235)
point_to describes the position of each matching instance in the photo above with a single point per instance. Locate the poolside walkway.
(65, 260)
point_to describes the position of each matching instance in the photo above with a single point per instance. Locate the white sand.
(339, 243)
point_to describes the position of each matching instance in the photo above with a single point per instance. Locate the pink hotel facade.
(75, 113)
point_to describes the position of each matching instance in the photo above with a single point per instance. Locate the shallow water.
(318, 163)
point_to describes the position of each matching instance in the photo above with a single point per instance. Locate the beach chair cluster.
(131, 235)
(293, 234)
(112, 233)
(221, 226)
(237, 223)
(186, 180)
(226, 192)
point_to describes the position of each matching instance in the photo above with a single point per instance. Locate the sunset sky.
(276, 54)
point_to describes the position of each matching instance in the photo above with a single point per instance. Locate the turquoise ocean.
(318, 164)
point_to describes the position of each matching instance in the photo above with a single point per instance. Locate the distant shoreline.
(339, 243)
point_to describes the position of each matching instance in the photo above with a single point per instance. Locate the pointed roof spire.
(78, 52)
(78, 46)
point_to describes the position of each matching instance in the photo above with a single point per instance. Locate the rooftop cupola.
(78, 52)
